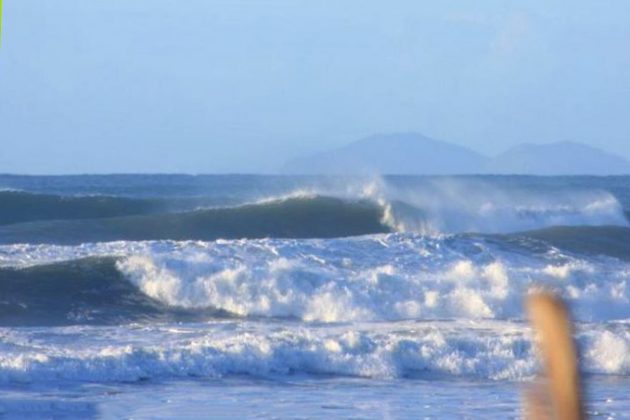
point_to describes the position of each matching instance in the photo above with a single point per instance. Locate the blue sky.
(240, 86)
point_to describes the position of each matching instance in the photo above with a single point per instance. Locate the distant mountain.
(415, 154)
(401, 153)
(562, 158)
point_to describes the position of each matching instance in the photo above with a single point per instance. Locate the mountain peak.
(406, 153)
(559, 158)
(410, 153)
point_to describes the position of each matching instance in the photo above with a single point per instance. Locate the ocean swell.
(20, 207)
(299, 217)
(434, 208)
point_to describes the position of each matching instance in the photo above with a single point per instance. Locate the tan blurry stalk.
(558, 396)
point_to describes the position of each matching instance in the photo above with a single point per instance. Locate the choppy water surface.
(346, 297)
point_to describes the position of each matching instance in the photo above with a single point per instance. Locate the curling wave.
(312, 216)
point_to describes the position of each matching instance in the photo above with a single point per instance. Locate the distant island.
(415, 154)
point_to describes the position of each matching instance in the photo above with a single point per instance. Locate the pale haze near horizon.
(242, 86)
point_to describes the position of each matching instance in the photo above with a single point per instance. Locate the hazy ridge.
(416, 154)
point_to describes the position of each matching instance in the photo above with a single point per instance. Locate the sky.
(240, 86)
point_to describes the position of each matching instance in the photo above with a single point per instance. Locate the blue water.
(269, 296)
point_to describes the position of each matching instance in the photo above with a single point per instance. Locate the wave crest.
(456, 206)
(374, 278)
(378, 278)
(433, 208)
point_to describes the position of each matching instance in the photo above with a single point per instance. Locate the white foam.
(390, 277)
(452, 206)
(27, 255)
(455, 205)
(372, 351)
(382, 277)
(300, 193)
(608, 351)
(488, 350)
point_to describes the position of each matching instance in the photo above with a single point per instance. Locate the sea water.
(301, 297)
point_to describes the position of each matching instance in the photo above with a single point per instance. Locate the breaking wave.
(456, 206)
(368, 209)
(372, 278)
(391, 278)
(480, 350)
(86, 291)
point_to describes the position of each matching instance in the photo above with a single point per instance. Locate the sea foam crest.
(375, 278)
(453, 205)
(484, 350)
(458, 205)
(380, 277)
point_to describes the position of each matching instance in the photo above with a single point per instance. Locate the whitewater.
(259, 296)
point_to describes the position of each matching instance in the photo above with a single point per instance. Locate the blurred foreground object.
(558, 396)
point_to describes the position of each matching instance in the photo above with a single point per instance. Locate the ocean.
(157, 296)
